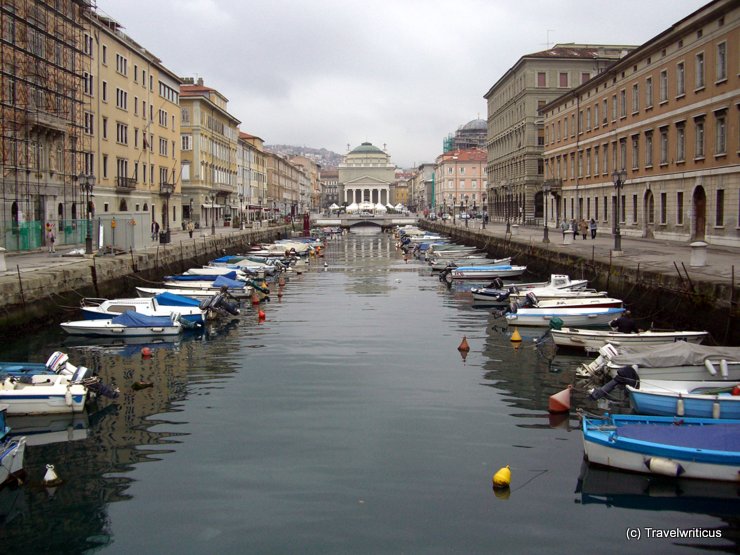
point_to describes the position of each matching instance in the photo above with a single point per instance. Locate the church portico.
(366, 175)
(375, 194)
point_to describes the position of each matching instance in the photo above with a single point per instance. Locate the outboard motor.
(626, 375)
(503, 296)
(531, 299)
(497, 283)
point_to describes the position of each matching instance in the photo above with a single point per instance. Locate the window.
(87, 82)
(663, 146)
(565, 125)
(722, 61)
(541, 79)
(614, 107)
(635, 152)
(588, 119)
(648, 149)
(187, 142)
(104, 92)
(121, 99)
(122, 167)
(664, 86)
(105, 166)
(623, 153)
(585, 76)
(680, 142)
(580, 121)
(635, 98)
(136, 137)
(622, 103)
(663, 208)
(105, 127)
(596, 160)
(104, 55)
(634, 208)
(649, 92)
(605, 110)
(699, 138)
(563, 80)
(721, 134)
(719, 217)
(596, 115)
(605, 154)
(121, 65)
(136, 105)
(606, 210)
(679, 208)
(680, 83)
(121, 133)
(89, 123)
(699, 69)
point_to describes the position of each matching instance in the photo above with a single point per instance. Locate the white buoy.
(51, 478)
(679, 406)
(723, 369)
(715, 408)
(709, 365)
(666, 467)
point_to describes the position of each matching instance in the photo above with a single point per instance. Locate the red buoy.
(736, 390)
(560, 402)
(146, 352)
(255, 299)
(464, 345)
(261, 314)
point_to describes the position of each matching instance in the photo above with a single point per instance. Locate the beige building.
(251, 176)
(515, 128)
(45, 123)
(135, 131)
(667, 116)
(365, 175)
(310, 198)
(284, 182)
(209, 135)
(460, 181)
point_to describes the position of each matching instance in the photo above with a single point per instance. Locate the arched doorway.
(539, 204)
(649, 210)
(700, 213)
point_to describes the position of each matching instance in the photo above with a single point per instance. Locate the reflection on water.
(346, 421)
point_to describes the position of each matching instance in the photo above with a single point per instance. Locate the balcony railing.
(125, 183)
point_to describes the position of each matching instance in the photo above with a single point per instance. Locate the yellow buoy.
(515, 337)
(502, 478)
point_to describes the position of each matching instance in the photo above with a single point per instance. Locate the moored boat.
(128, 324)
(483, 272)
(583, 316)
(701, 448)
(701, 399)
(593, 339)
(12, 451)
(105, 309)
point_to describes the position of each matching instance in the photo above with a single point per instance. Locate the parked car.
(464, 216)
(432, 216)
(446, 217)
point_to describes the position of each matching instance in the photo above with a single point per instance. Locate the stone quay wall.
(661, 299)
(32, 299)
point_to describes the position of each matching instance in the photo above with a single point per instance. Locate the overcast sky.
(405, 73)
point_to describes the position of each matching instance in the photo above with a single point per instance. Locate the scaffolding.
(46, 122)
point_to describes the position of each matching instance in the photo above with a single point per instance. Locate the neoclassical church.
(365, 175)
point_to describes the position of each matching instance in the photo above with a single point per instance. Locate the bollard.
(698, 254)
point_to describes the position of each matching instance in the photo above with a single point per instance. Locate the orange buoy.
(736, 390)
(464, 345)
(146, 352)
(560, 402)
(280, 292)
(255, 299)
(261, 314)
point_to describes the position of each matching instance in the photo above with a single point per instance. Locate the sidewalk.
(650, 254)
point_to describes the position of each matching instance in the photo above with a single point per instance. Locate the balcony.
(553, 185)
(125, 184)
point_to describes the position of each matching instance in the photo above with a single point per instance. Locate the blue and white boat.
(11, 451)
(186, 308)
(485, 272)
(702, 448)
(128, 324)
(571, 317)
(701, 399)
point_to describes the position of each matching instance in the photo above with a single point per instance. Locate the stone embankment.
(654, 278)
(38, 289)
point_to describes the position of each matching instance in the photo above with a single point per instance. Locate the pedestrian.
(592, 228)
(583, 228)
(190, 228)
(574, 228)
(564, 227)
(155, 230)
(625, 323)
(50, 237)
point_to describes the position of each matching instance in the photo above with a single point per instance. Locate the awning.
(209, 205)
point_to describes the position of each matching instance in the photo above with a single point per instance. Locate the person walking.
(155, 230)
(574, 227)
(190, 228)
(592, 228)
(564, 227)
(50, 237)
(583, 228)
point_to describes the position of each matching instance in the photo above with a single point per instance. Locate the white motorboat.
(583, 316)
(547, 293)
(530, 300)
(242, 293)
(593, 339)
(105, 309)
(671, 361)
(128, 324)
(439, 264)
(483, 272)
(557, 281)
(700, 399)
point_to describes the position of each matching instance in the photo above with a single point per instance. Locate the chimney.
(200, 81)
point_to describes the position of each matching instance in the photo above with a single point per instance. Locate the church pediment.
(366, 180)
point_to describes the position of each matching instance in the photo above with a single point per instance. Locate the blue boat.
(712, 399)
(702, 448)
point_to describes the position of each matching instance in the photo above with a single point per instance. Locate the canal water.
(345, 422)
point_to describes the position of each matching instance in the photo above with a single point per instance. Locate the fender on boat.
(665, 467)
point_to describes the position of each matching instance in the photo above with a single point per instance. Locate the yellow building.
(209, 136)
(251, 176)
(135, 131)
(665, 118)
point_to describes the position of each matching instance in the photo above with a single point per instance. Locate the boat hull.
(485, 273)
(104, 328)
(691, 448)
(43, 399)
(570, 316)
(654, 401)
(695, 372)
(11, 459)
(593, 339)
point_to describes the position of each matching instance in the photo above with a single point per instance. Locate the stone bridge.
(348, 221)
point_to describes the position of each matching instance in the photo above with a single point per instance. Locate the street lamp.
(618, 177)
(166, 189)
(454, 202)
(241, 211)
(87, 184)
(213, 214)
(545, 193)
(507, 187)
(485, 209)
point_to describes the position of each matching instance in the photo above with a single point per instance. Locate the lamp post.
(618, 177)
(87, 183)
(507, 187)
(213, 214)
(546, 193)
(485, 209)
(241, 211)
(166, 189)
(454, 202)
(190, 211)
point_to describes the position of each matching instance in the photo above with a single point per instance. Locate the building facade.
(135, 131)
(515, 144)
(329, 183)
(666, 116)
(460, 181)
(254, 176)
(284, 182)
(365, 175)
(209, 136)
(471, 135)
(45, 123)
(309, 197)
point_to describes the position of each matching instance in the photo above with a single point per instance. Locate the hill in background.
(325, 158)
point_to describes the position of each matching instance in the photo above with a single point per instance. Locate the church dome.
(475, 125)
(367, 148)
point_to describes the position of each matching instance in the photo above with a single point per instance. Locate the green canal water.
(346, 422)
